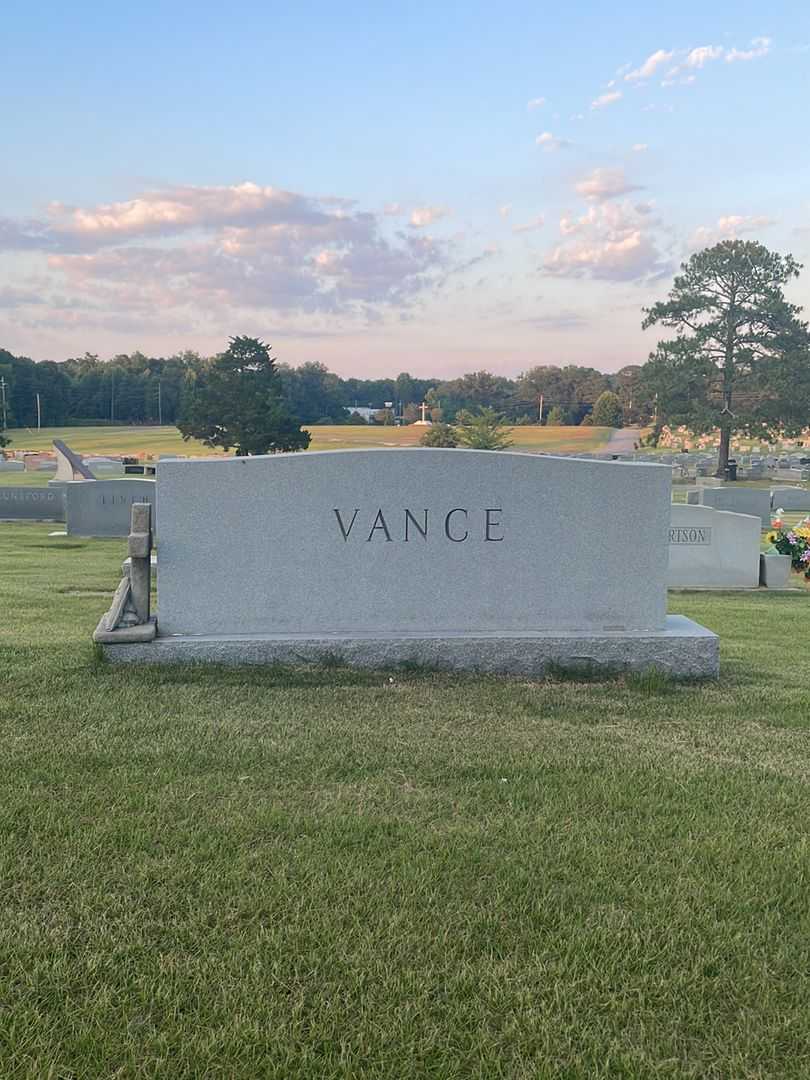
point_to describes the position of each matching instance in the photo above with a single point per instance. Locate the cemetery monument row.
(461, 559)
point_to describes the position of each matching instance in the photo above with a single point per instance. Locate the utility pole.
(160, 406)
(39, 414)
(3, 396)
(540, 418)
(112, 395)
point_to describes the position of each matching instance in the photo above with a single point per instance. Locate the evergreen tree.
(740, 359)
(236, 400)
(607, 412)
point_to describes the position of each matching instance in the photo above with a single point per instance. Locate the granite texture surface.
(739, 500)
(32, 504)
(790, 498)
(712, 549)
(410, 540)
(102, 507)
(681, 648)
(774, 571)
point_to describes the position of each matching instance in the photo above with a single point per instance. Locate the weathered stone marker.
(128, 619)
(69, 464)
(102, 507)
(456, 558)
(32, 504)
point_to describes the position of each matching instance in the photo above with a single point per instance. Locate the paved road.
(621, 441)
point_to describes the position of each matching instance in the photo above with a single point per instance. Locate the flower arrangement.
(793, 542)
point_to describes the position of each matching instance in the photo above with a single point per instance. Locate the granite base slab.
(682, 648)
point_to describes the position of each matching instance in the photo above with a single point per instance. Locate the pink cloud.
(604, 184)
(611, 241)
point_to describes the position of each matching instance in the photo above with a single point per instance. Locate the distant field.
(152, 441)
(149, 441)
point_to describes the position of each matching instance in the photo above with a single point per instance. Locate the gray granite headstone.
(790, 498)
(739, 500)
(103, 507)
(461, 559)
(32, 504)
(431, 540)
(712, 549)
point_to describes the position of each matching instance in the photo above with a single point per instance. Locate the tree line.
(139, 389)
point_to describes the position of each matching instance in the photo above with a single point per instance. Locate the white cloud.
(728, 228)
(393, 209)
(536, 103)
(606, 99)
(550, 142)
(639, 147)
(530, 226)
(604, 184)
(177, 209)
(760, 46)
(505, 210)
(700, 56)
(423, 216)
(650, 65)
(610, 242)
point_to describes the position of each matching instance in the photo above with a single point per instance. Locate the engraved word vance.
(457, 525)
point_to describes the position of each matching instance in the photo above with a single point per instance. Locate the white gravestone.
(459, 558)
(712, 549)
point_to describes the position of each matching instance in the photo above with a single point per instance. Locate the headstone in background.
(712, 549)
(104, 466)
(739, 500)
(102, 507)
(11, 466)
(32, 504)
(798, 476)
(69, 464)
(790, 498)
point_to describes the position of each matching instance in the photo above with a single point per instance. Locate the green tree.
(475, 390)
(740, 359)
(313, 393)
(483, 430)
(556, 417)
(442, 435)
(607, 412)
(236, 400)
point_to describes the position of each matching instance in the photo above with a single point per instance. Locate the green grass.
(325, 873)
(25, 479)
(152, 441)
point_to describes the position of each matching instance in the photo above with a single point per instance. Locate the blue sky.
(436, 188)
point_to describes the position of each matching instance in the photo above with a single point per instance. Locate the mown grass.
(152, 441)
(326, 873)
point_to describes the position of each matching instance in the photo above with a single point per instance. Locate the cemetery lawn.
(153, 441)
(324, 873)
